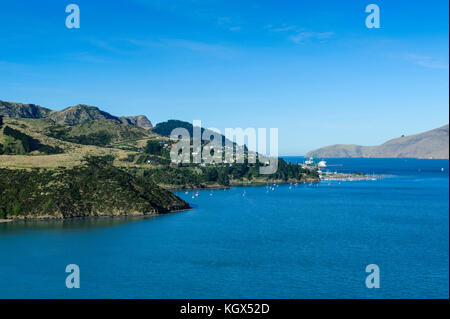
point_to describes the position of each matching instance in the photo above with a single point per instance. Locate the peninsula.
(83, 161)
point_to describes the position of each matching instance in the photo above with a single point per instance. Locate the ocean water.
(309, 241)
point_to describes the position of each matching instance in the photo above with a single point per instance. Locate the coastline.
(56, 218)
(335, 177)
(155, 214)
(169, 188)
(237, 184)
(354, 177)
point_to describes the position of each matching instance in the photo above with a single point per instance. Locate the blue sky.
(310, 68)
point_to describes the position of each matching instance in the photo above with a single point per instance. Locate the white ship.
(322, 164)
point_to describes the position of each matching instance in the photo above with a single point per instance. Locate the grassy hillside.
(97, 132)
(139, 151)
(68, 154)
(15, 142)
(42, 143)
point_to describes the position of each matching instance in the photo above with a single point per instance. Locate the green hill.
(94, 189)
(166, 128)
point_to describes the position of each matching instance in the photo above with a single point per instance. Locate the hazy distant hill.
(430, 144)
(73, 115)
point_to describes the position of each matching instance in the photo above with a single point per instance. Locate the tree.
(211, 174)
(153, 147)
(223, 178)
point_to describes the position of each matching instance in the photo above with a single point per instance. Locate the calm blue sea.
(309, 241)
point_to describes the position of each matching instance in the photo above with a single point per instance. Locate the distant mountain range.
(430, 144)
(71, 116)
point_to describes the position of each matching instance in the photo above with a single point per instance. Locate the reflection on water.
(67, 224)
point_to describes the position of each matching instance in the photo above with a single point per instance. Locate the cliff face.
(139, 121)
(95, 189)
(71, 116)
(430, 144)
